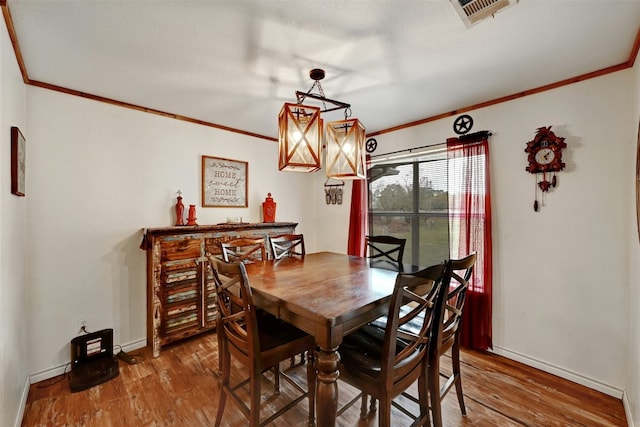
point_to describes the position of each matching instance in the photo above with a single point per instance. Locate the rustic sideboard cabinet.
(181, 299)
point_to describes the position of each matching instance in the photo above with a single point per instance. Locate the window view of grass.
(432, 238)
(421, 217)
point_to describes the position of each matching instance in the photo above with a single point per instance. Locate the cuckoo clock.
(544, 155)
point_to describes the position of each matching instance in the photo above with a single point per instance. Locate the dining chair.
(448, 338)
(283, 245)
(385, 248)
(287, 245)
(383, 363)
(245, 249)
(258, 344)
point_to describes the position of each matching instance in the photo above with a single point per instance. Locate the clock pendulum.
(545, 156)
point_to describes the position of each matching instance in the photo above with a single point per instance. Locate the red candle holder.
(191, 220)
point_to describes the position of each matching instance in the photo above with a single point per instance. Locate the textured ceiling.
(233, 63)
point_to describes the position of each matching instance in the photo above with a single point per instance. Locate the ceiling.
(233, 63)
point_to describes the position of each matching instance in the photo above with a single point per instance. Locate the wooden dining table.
(327, 295)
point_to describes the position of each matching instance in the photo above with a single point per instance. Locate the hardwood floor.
(180, 388)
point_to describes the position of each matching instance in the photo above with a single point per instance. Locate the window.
(408, 199)
(440, 201)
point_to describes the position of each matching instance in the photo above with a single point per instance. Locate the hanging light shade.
(345, 156)
(299, 138)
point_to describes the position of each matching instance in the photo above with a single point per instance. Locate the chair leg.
(434, 393)
(312, 377)
(225, 373)
(221, 404)
(292, 360)
(220, 347)
(254, 413)
(363, 405)
(423, 398)
(372, 406)
(276, 379)
(384, 412)
(455, 362)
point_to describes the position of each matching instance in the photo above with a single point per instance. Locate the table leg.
(327, 387)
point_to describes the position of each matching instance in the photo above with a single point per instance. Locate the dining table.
(328, 295)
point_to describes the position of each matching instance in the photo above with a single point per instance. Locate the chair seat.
(276, 332)
(413, 326)
(361, 352)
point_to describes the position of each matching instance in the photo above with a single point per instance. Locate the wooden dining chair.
(448, 338)
(385, 248)
(258, 344)
(244, 249)
(284, 245)
(383, 363)
(445, 337)
(287, 245)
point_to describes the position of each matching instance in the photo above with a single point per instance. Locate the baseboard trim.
(61, 369)
(23, 403)
(561, 372)
(627, 409)
(134, 345)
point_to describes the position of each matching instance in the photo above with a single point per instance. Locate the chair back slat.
(245, 249)
(287, 245)
(385, 248)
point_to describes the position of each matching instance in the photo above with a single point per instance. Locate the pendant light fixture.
(345, 156)
(300, 136)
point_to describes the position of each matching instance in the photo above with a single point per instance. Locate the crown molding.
(629, 63)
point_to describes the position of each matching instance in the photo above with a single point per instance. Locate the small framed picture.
(224, 182)
(18, 161)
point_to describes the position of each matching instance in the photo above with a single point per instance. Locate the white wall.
(13, 247)
(560, 274)
(98, 175)
(332, 221)
(632, 386)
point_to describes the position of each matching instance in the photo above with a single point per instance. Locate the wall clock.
(545, 160)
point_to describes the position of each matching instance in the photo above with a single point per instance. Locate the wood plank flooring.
(180, 388)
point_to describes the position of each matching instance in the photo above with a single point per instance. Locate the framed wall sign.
(18, 159)
(224, 182)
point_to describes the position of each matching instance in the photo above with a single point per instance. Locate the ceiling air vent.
(473, 11)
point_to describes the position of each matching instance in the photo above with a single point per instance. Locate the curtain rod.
(409, 150)
(462, 138)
